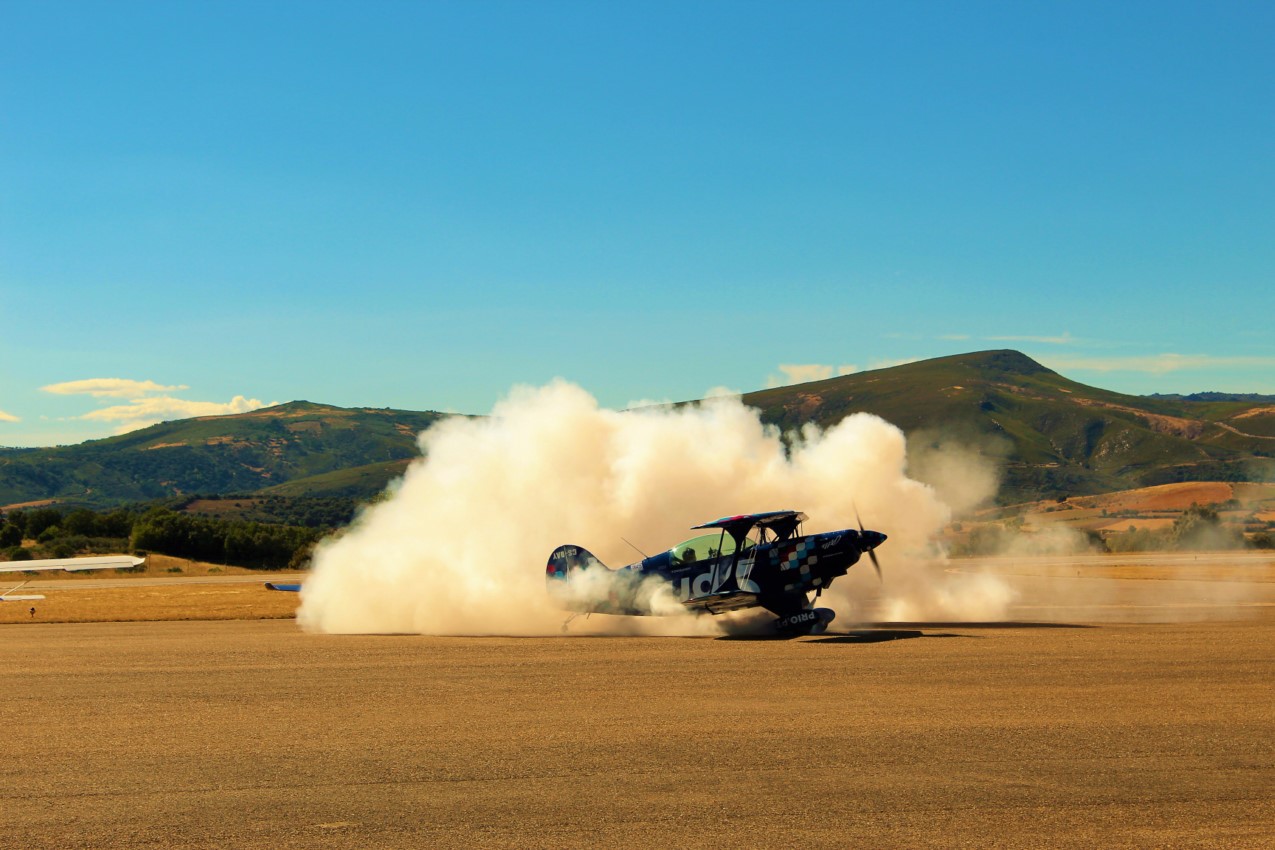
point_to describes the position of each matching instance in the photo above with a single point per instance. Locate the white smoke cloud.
(462, 544)
(8, 417)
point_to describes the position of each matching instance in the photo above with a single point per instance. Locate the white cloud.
(1065, 339)
(8, 417)
(1157, 364)
(144, 412)
(886, 364)
(802, 373)
(110, 388)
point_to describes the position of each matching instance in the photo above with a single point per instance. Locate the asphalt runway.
(253, 734)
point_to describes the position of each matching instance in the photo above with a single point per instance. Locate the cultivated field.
(1029, 734)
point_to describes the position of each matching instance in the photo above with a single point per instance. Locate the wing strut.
(8, 596)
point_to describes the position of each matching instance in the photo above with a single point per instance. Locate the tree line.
(54, 533)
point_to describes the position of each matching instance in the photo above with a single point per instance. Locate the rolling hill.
(239, 453)
(1054, 437)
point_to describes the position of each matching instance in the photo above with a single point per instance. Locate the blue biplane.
(752, 560)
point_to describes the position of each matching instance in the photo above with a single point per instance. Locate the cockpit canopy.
(706, 547)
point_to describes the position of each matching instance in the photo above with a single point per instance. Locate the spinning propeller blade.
(872, 555)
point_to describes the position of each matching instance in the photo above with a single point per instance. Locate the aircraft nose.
(872, 539)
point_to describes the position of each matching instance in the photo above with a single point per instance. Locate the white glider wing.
(73, 565)
(70, 565)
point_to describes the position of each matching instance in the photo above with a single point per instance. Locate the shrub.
(10, 535)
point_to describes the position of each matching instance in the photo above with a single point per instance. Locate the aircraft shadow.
(878, 636)
(991, 624)
(864, 636)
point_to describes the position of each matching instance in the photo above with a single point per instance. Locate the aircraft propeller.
(876, 541)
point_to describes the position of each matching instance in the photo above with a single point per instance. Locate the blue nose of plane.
(871, 539)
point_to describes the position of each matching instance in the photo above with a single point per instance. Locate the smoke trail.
(461, 546)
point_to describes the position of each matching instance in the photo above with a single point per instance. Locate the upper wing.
(71, 565)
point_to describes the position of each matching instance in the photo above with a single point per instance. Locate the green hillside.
(1056, 436)
(355, 482)
(215, 454)
(1053, 436)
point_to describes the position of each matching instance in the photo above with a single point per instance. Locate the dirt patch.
(39, 503)
(1127, 523)
(220, 506)
(1164, 497)
(1174, 425)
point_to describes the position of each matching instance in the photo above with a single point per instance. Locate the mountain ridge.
(1053, 437)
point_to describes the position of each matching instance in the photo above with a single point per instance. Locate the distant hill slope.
(1054, 436)
(219, 454)
(1211, 396)
(1057, 437)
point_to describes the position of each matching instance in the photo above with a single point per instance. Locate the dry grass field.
(145, 602)
(251, 734)
(167, 589)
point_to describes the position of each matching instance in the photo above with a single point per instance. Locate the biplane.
(70, 565)
(752, 560)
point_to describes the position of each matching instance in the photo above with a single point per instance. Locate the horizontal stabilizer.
(287, 588)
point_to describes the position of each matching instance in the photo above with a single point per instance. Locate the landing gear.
(811, 621)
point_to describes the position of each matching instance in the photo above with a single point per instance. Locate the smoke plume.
(460, 546)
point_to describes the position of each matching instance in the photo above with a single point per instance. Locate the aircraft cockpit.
(706, 547)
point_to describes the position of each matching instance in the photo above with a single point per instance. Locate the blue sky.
(420, 205)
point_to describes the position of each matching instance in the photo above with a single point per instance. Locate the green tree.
(1200, 527)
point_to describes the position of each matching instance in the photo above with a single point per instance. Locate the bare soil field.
(1057, 729)
(252, 734)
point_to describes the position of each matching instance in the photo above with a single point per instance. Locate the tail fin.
(566, 561)
(578, 581)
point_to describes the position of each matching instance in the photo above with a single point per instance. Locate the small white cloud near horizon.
(1158, 364)
(1065, 339)
(111, 388)
(146, 402)
(144, 412)
(804, 373)
(899, 361)
(8, 417)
